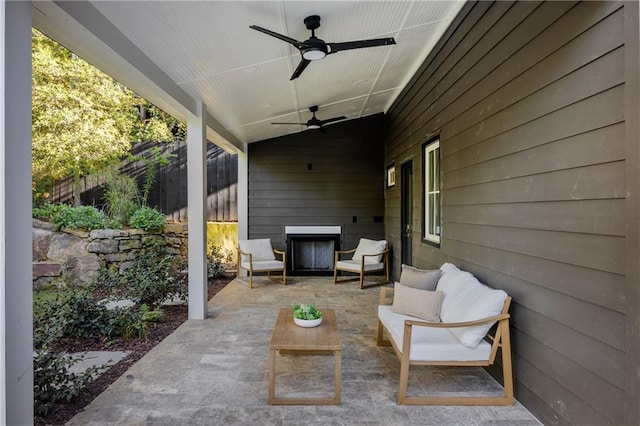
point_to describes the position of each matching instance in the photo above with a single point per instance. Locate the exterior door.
(406, 220)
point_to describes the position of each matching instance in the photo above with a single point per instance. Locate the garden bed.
(174, 316)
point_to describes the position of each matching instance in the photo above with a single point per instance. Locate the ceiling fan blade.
(322, 130)
(303, 64)
(296, 43)
(301, 124)
(348, 45)
(331, 120)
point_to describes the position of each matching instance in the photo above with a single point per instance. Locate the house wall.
(311, 178)
(529, 101)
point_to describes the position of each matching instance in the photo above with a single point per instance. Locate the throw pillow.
(366, 246)
(467, 299)
(417, 303)
(419, 278)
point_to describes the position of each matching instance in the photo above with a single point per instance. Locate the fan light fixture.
(314, 48)
(313, 54)
(315, 123)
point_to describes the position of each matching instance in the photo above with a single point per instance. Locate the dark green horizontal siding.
(311, 178)
(528, 99)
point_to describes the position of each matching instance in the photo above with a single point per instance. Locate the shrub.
(128, 323)
(147, 219)
(47, 210)
(53, 382)
(149, 280)
(74, 313)
(215, 269)
(121, 195)
(66, 216)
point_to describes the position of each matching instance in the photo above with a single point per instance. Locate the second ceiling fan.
(316, 123)
(314, 48)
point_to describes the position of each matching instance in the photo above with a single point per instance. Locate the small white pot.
(307, 323)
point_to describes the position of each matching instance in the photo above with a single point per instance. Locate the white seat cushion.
(264, 265)
(467, 299)
(259, 249)
(428, 343)
(354, 266)
(366, 246)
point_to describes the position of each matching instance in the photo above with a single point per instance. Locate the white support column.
(196, 211)
(243, 196)
(16, 323)
(243, 200)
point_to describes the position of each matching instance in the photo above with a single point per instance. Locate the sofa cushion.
(419, 278)
(418, 303)
(466, 299)
(366, 246)
(428, 343)
(260, 249)
(453, 282)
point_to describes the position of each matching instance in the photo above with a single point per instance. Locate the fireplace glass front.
(311, 254)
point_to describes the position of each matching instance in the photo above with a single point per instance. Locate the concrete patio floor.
(214, 371)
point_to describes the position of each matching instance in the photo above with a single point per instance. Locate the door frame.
(406, 211)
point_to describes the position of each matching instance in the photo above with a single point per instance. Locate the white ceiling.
(209, 53)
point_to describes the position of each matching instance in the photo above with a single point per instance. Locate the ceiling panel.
(378, 102)
(425, 12)
(347, 20)
(245, 94)
(242, 75)
(409, 42)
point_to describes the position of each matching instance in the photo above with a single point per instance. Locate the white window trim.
(434, 238)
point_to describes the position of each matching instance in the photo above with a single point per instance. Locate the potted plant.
(306, 315)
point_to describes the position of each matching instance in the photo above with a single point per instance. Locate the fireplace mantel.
(314, 229)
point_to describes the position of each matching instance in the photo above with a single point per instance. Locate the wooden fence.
(169, 191)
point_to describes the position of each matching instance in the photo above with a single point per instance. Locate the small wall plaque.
(391, 176)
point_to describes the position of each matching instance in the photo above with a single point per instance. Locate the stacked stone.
(79, 255)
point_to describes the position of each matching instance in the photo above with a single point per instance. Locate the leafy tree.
(83, 120)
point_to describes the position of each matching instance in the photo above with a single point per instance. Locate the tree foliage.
(83, 120)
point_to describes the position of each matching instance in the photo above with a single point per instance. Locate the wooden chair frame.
(282, 280)
(362, 273)
(500, 339)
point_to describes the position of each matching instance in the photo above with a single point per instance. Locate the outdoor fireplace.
(310, 249)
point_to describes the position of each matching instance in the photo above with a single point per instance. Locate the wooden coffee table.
(287, 337)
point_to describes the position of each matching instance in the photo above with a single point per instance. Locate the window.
(431, 163)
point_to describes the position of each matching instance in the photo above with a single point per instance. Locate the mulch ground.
(174, 316)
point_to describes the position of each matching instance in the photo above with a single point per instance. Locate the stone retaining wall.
(79, 255)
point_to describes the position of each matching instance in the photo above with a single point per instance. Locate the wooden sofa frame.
(499, 339)
(362, 273)
(282, 280)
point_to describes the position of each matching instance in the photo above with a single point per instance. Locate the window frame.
(430, 191)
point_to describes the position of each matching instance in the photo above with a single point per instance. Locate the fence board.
(169, 191)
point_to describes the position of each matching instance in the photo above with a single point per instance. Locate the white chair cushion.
(259, 249)
(467, 299)
(430, 344)
(366, 246)
(354, 266)
(264, 265)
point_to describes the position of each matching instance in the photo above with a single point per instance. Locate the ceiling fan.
(314, 48)
(316, 123)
